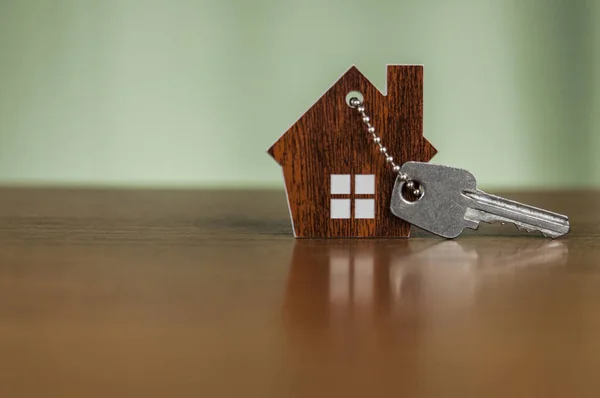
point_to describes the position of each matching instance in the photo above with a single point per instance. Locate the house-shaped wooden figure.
(337, 182)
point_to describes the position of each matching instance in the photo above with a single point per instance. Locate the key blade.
(491, 208)
(483, 216)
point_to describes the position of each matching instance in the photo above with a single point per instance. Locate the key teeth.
(529, 230)
(551, 236)
(519, 227)
(490, 218)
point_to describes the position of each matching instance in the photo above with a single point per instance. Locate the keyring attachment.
(412, 186)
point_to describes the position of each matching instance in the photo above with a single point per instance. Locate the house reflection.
(344, 284)
(336, 282)
(363, 314)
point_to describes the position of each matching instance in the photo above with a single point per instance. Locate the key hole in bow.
(408, 193)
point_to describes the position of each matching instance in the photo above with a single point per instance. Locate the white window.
(364, 208)
(364, 184)
(342, 196)
(340, 208)
(340, 184)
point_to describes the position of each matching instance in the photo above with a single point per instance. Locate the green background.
(191, 93)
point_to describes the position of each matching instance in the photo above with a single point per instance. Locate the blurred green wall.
(191, 93)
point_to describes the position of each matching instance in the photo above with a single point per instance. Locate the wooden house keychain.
(339, 185)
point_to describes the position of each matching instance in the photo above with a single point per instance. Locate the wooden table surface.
(207, 294)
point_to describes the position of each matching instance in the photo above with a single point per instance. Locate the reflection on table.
(398, 310)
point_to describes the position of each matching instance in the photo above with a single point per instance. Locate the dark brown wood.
(330, 138)
(207, 294)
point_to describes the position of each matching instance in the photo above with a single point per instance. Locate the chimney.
(405, 90)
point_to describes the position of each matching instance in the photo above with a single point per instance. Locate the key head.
(441, 208)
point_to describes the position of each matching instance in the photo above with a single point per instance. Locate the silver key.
(451, 202)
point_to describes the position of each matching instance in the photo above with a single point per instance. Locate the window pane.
(364, 208)
(365, 184)
(340, 208)
(340, 183)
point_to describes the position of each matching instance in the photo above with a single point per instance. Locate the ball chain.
(410, 184)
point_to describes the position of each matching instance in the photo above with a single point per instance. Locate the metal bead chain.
(410, 184)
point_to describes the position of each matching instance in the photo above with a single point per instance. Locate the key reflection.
(340, 286)
(345, 277)
(391, 310)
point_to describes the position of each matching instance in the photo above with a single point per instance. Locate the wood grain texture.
(206, 294)
(330, 138)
